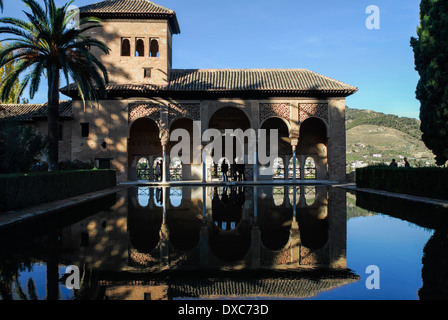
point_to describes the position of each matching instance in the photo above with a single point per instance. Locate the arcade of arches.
(305, 141)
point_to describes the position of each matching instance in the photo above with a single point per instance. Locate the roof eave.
(175, 28)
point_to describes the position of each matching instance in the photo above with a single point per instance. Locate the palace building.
(147, 100)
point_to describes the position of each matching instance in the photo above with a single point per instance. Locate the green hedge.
(425, 182)
(22, 190)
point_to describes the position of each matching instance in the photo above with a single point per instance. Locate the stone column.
(255, 170)
(336, 140)
(204, 164)
(164, 160)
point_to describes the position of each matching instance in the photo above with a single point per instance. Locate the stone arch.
(144, 137)
(229, 117)
(287, 123)
(143, 141)
(315, 110)
(284, 142)
(313, 142)
(137, 110)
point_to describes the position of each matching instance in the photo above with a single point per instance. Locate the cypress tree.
(431, 62)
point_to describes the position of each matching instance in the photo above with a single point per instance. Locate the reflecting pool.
(232, 242)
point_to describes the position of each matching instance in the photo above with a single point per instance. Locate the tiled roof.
(138, 9)
(239, 81)
(254, 79)
(29, 112)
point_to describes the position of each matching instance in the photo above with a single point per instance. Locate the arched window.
(310, 168)
(154, 48)
(278, 169)
(125, 47)
(291, 168)
(143, 170)
(139, 48)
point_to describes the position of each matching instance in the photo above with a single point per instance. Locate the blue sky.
(326, 36)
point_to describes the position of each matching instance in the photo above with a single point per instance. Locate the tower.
(139, 34)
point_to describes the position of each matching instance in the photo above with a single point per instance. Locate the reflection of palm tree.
(31, 290)
(45, 43)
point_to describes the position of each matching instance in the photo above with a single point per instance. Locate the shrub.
(22, 190)
(426, 182)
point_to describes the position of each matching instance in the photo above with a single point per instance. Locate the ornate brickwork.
(268, 110)
(144, 110)
(307, 110)
(185, 110)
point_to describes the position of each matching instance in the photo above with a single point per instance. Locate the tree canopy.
(431, 62)
(46, 44)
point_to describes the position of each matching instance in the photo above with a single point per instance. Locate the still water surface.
(268, 242)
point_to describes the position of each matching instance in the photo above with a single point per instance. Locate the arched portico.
(312, 147)
(143, 142)
(225, 120)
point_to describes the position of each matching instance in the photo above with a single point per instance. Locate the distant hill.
(374, 137)
(357, 117)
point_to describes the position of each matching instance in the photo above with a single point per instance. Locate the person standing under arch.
(224, 170)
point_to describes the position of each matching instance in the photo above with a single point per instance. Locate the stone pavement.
(353, 187)
(10, 218)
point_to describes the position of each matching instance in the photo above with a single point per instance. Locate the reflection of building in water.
(210, 228)
(166, 227)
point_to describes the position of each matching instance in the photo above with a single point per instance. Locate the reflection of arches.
(275, 225)
(313, 226)
(143, 196)
(278, 195)
(229, 234)
(184, 225)
(313, 219)
(310, 195)
(143, 223)
(274, 217)
(175, 196)
(227, 207)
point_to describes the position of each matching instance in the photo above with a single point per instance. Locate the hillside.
(357, 117)
(374, 137)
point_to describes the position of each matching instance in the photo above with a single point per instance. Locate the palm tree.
(46, 45)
